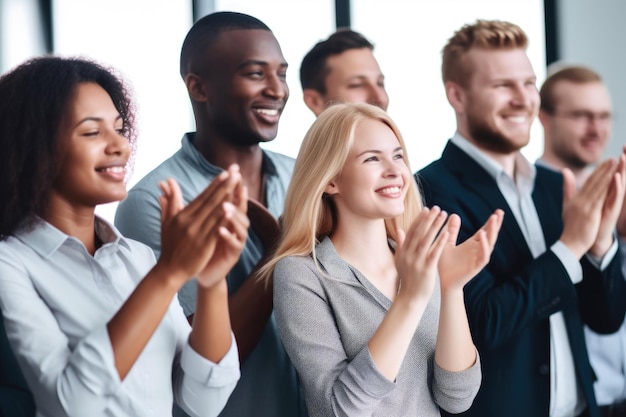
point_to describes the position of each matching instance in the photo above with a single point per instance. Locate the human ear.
(331, 188)
(195, 87)
(314, 101)
(455, 95)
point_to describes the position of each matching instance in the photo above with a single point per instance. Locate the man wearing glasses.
(576, 114)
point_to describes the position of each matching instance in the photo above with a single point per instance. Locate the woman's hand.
(190, 235)
(460, 263)
(232, 237)
(418, 253)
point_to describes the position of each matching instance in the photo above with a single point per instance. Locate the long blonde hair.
(309, 213)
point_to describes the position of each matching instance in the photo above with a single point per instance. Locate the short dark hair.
(576, 74)
(313, 70)
(204, 32)
(35, 98)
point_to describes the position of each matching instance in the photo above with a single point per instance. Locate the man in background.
(576, 115)
(342, 68)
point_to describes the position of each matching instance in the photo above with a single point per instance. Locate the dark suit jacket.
(509, 302)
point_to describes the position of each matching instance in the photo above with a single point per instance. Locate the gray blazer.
(325, 321)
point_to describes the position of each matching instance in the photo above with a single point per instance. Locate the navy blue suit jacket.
(509, 302)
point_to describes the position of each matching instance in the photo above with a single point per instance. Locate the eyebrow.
(258, 62)
(376, 151)
(95, 119)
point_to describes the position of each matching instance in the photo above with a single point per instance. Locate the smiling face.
(501, 101)
(578, 130)
(374, 180)
(95, 151)
(353, 77)
(246, 86)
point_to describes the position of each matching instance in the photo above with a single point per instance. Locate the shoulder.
(12, 252)
(283, 163)
(294, 265)
(548, 176)
(171, 167)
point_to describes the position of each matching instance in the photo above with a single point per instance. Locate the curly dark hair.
(313, 70)
(34, 99)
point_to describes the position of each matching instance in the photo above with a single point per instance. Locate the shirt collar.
(46, 239)
(525, 172)
(268, 167)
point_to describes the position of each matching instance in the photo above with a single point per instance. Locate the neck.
(365, 246)
(78, 222)
(580, 173)
(222, 153)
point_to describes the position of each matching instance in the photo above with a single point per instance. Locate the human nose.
(378, 96)
(525, 95)
(117, 143)
(392, 168)
(276, 87)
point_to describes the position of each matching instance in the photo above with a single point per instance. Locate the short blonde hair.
(309, 212)
(484, 34)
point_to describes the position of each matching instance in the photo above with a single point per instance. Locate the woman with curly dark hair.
(94, 323)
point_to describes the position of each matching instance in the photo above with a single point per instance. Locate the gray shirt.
(326, 320)
(268, 384)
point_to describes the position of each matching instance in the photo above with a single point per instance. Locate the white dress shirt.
(57, 300)
(607, 352)
(566, 398)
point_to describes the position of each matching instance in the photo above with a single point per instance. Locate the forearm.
(250, 308)
(134, 324)
(455, 350)
(210, 336)
(390, 342)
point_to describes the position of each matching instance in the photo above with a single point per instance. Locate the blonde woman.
(368, 284)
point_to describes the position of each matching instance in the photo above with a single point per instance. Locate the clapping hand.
(203, 239)
(418, 252)
(460, 263)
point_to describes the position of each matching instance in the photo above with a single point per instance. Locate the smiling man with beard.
(555, 265)
(235, 75)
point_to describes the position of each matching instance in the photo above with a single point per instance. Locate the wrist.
(601, 247)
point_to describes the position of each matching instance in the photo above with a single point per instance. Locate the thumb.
(569, 185)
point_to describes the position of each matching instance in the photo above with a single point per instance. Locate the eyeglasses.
(585, 116)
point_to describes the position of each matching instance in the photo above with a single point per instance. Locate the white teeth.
(268, 112)
(517, 119)
(114, 170)
(390, 190)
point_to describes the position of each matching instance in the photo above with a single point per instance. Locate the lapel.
(483, 196)
(548, 198)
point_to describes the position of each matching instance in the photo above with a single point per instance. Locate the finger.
(213, 195)
(240, 197)
(418, 222)
(595, 187)
(453, 226)
(172, 200)
(400, 239)
(569, 185)
(230, 239)
(435, 230)
(493, 226)
(236, 222)
(437, 247)
(419, 229)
